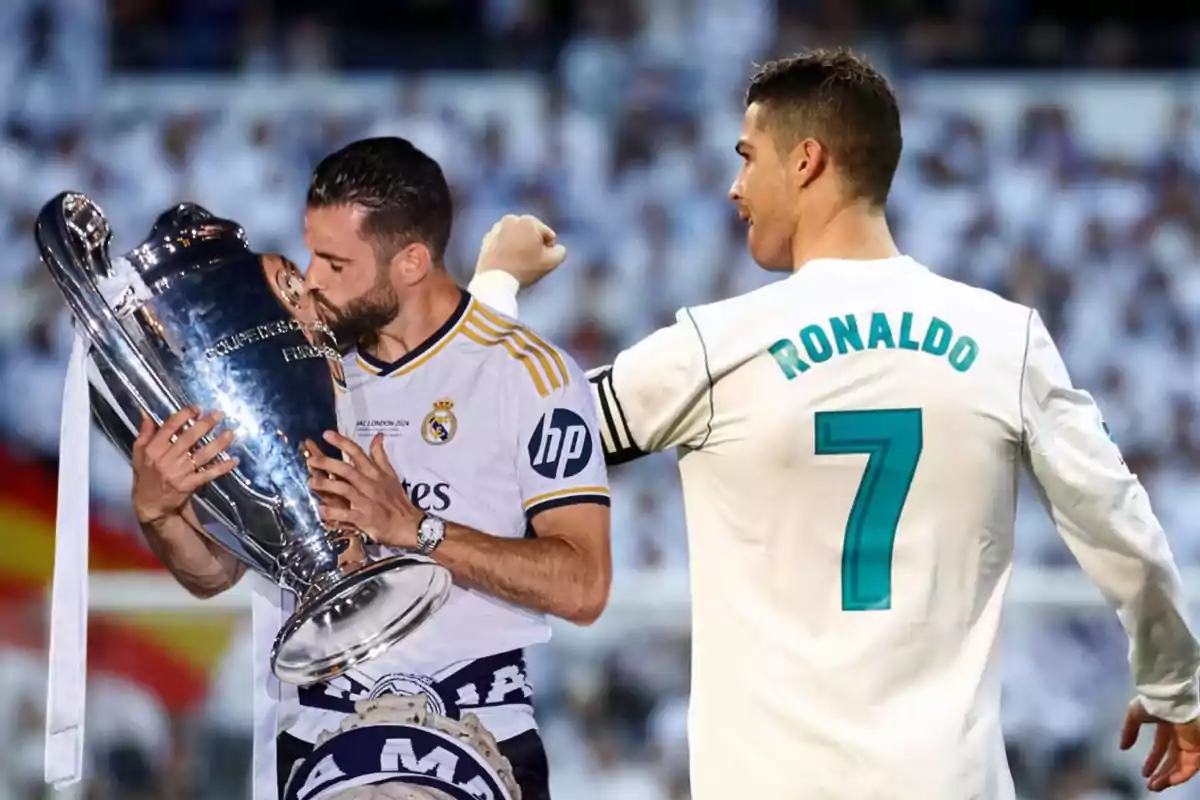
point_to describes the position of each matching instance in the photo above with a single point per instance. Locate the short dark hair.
(402, 190)
(838, 98)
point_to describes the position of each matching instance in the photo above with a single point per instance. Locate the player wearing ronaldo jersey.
(849, 441)
(466, 437)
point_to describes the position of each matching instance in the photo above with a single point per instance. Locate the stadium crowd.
(629, 157)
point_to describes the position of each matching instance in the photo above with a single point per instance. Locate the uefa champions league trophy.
(193, 317)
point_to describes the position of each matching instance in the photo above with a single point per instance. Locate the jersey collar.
(819, 265)
(422, 351)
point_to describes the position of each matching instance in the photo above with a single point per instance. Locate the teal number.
(892, 440)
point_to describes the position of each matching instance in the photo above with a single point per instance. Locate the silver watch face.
(430, 531)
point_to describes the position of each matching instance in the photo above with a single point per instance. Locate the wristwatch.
(430, 532)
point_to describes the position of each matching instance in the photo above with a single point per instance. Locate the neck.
(850, 232)
(423, 310)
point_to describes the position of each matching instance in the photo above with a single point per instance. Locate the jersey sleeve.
(559, 460)
(655, 395)
(1103, 514)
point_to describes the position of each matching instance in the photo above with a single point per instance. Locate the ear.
(412, 263)
(808, 160)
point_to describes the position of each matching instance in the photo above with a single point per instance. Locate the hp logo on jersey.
(561, 445)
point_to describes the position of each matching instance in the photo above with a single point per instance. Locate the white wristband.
(497, 289)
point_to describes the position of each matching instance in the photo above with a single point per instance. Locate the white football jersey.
(850, 440)
(488, 425)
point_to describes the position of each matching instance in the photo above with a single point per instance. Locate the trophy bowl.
(194, 317)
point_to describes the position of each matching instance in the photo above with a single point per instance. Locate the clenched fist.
(524, 247)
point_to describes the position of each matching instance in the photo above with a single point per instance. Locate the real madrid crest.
(440, 425)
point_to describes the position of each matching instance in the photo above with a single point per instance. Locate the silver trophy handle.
(73, 237)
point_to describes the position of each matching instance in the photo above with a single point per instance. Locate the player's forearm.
(550, 575)
(1164, 656)
(1120, 544)
(200, 565)
(1135, 570)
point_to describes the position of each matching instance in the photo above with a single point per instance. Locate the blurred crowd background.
(1052, 154)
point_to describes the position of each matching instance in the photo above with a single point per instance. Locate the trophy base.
(359, 618)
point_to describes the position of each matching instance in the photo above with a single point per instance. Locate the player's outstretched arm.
(165, 475)
(1104, 515)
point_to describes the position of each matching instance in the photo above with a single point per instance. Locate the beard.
(359, 323)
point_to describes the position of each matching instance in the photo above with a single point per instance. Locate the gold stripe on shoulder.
(550, 361)
(541, 344)
(558, 373)
(506, 342)
(519, 345)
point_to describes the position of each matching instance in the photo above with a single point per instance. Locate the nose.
(735, 191)
(313, 279)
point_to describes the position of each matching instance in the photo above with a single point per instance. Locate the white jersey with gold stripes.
(488, 425)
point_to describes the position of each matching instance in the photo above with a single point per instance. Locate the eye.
(335, 267)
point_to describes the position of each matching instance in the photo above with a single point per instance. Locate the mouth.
(324, 310)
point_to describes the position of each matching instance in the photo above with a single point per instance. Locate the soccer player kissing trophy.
(192, 318)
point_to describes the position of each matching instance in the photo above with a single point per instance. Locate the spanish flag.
(172, 655)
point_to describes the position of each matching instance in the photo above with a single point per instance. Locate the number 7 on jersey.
(892, 440)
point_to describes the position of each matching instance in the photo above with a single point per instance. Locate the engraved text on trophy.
(269, 330)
